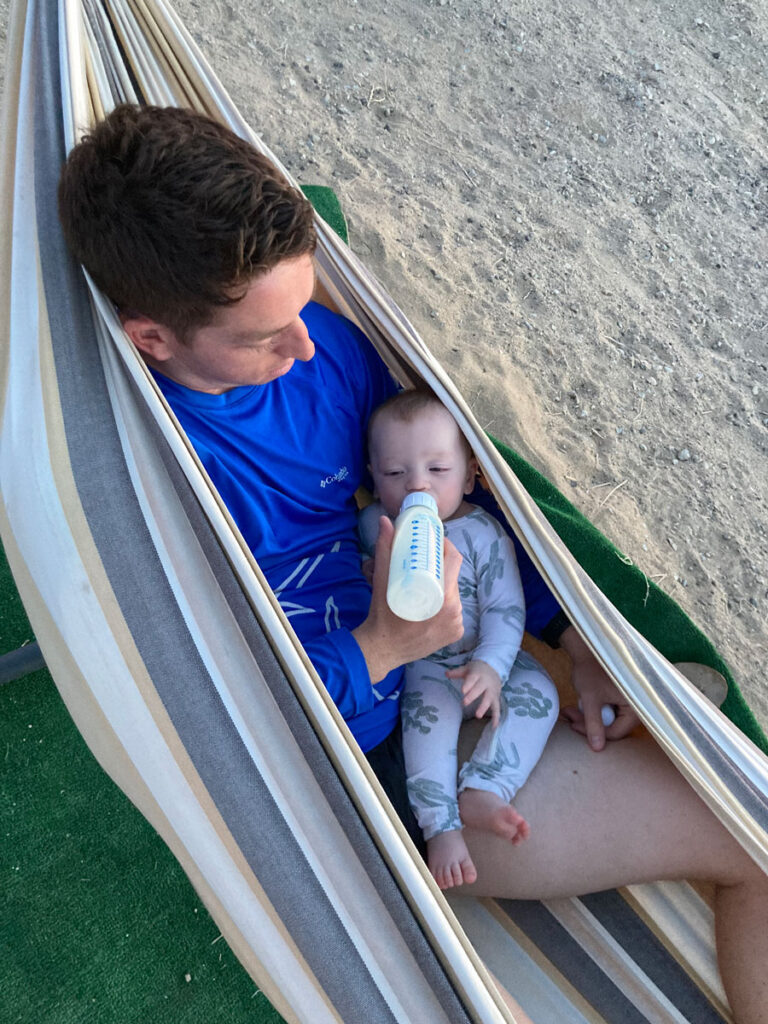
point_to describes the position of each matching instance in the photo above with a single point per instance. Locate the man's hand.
(595, 688)
(388, 641)
(480, 681)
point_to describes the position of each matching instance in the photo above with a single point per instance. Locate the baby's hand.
(480, 681)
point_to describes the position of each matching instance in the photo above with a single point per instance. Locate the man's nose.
(295, 342)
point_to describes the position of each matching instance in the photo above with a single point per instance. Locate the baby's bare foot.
(449, 861)
(487, 811)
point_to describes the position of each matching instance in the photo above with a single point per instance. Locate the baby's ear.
(473, 468)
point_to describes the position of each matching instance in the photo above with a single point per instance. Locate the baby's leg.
(487, 811)
(504, 757)
(431, 716)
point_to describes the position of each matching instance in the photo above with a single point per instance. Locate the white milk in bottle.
(416, 588)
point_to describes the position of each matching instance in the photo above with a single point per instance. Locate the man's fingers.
(386, 533)
(593, 723)
(626, 722)
(382, 555)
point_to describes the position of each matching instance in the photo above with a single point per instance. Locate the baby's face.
(424, 454)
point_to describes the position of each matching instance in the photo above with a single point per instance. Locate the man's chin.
(279, 371)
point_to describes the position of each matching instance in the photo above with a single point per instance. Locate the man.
(207, 253)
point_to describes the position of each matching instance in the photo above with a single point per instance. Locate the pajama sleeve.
(499, 595)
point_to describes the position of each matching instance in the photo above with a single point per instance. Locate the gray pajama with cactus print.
(432, 711)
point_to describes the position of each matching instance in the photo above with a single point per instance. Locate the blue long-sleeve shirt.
(286, 458)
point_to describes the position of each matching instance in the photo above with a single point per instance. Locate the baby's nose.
(418, 481)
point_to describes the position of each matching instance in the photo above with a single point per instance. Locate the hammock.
(185, 679)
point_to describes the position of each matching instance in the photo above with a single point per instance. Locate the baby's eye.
(393, 472)
(438, 469)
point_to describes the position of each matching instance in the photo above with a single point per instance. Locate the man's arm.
(388, 641)
(339, 662)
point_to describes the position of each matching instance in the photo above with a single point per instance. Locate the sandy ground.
(568, 199)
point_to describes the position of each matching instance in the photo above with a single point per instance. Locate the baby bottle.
(416, 588)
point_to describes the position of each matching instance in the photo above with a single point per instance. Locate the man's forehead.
(270, 301)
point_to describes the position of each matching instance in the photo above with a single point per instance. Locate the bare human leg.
(626, 815)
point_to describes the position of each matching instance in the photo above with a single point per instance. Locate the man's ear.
(472, 470)
(151, 338)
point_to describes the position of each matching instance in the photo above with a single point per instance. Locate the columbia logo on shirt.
(341, 474)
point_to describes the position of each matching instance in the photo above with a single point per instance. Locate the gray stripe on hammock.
(311, 747)
(573, 962)
(140, 582)
(631, 932)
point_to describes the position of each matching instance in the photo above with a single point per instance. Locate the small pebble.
(607, 713)
(683, 455)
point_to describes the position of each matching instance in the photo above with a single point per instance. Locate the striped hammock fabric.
(185, 678)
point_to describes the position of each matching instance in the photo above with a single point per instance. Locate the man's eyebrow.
(253, 335)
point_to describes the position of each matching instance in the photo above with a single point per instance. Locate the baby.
(415, 445)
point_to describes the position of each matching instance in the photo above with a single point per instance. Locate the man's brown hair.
(173, 215)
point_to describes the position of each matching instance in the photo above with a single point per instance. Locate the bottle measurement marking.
(425, 551)
(415, 589)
